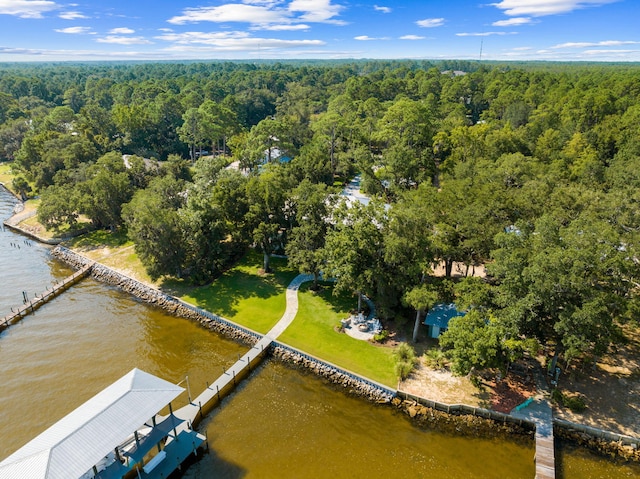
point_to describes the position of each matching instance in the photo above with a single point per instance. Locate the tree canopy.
(530, 169)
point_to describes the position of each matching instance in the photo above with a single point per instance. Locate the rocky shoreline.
(153, 296)
(334, 375)
(462, 424)
(423, 416)
(220, 325)
(604, 446)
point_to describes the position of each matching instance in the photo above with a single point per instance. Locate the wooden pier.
(538, 411)
(30, 305)
(198, 407)
(545, 457)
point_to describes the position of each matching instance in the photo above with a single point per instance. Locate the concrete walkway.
(292, 306)
(199, 406)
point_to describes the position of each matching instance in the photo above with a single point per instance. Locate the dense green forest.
(530, 169)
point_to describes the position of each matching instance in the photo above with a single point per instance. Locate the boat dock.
(111, 436)
(538, 411)
(213, 394)
(30, 305)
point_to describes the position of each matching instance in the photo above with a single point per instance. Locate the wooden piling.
(31, 305)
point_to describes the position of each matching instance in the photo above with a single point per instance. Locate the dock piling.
(30, 305)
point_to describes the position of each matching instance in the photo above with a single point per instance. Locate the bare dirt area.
(611, 389)
(494, 391)
(444, 387)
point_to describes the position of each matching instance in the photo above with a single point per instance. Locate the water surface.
(280, 423)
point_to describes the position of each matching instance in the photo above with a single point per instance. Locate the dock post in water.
(30, 305)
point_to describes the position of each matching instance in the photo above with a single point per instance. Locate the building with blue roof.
(438, 318)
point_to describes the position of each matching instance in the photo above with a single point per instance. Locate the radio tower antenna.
(481, 42)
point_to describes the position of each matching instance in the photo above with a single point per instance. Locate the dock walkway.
(540, 413)
(31, 305)
(199, 406)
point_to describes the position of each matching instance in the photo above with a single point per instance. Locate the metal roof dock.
(109, 435)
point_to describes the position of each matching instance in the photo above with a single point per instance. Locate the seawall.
(455, 419)
(334, 374)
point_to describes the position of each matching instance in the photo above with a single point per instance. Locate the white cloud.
(540, 8)
(412, 37)
(608, 52)
(264, 13)
(231, 13)
(366, 38)
(121, 31)
(513, 22)
(74, 30)
(484, 34)
(72, 16)
(229, 41)
(607, 43)
(26, 8)
(120, 40)
(382, 9)
(430, 22)
(319, 11)
(277, 28)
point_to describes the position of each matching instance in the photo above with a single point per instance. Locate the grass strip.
(245, 294)
(315, 332)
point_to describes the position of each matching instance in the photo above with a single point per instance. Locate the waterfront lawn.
(6, 175)
(114, 250)
(314, 331)
(245, 295)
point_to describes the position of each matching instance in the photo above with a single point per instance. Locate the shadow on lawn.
(340, 304)
(222, 297)
(227, 292)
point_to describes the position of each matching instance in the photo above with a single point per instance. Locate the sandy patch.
(442, 386)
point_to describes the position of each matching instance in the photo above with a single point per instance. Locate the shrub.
(381, 336)
(435, 359)
(575, 403)
(404, 352)
(405, 359)
(403, 369)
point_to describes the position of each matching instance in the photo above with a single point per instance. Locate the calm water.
(280, 423)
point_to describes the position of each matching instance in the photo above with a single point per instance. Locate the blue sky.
(52, 30)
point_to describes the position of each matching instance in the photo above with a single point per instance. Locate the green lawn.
(6, 176)
(100, 239)
(246, 296)
(314, 331)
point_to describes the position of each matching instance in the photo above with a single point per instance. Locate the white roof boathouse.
(117, 432)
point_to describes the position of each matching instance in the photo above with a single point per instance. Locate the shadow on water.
(573, 462)
(223, 468)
